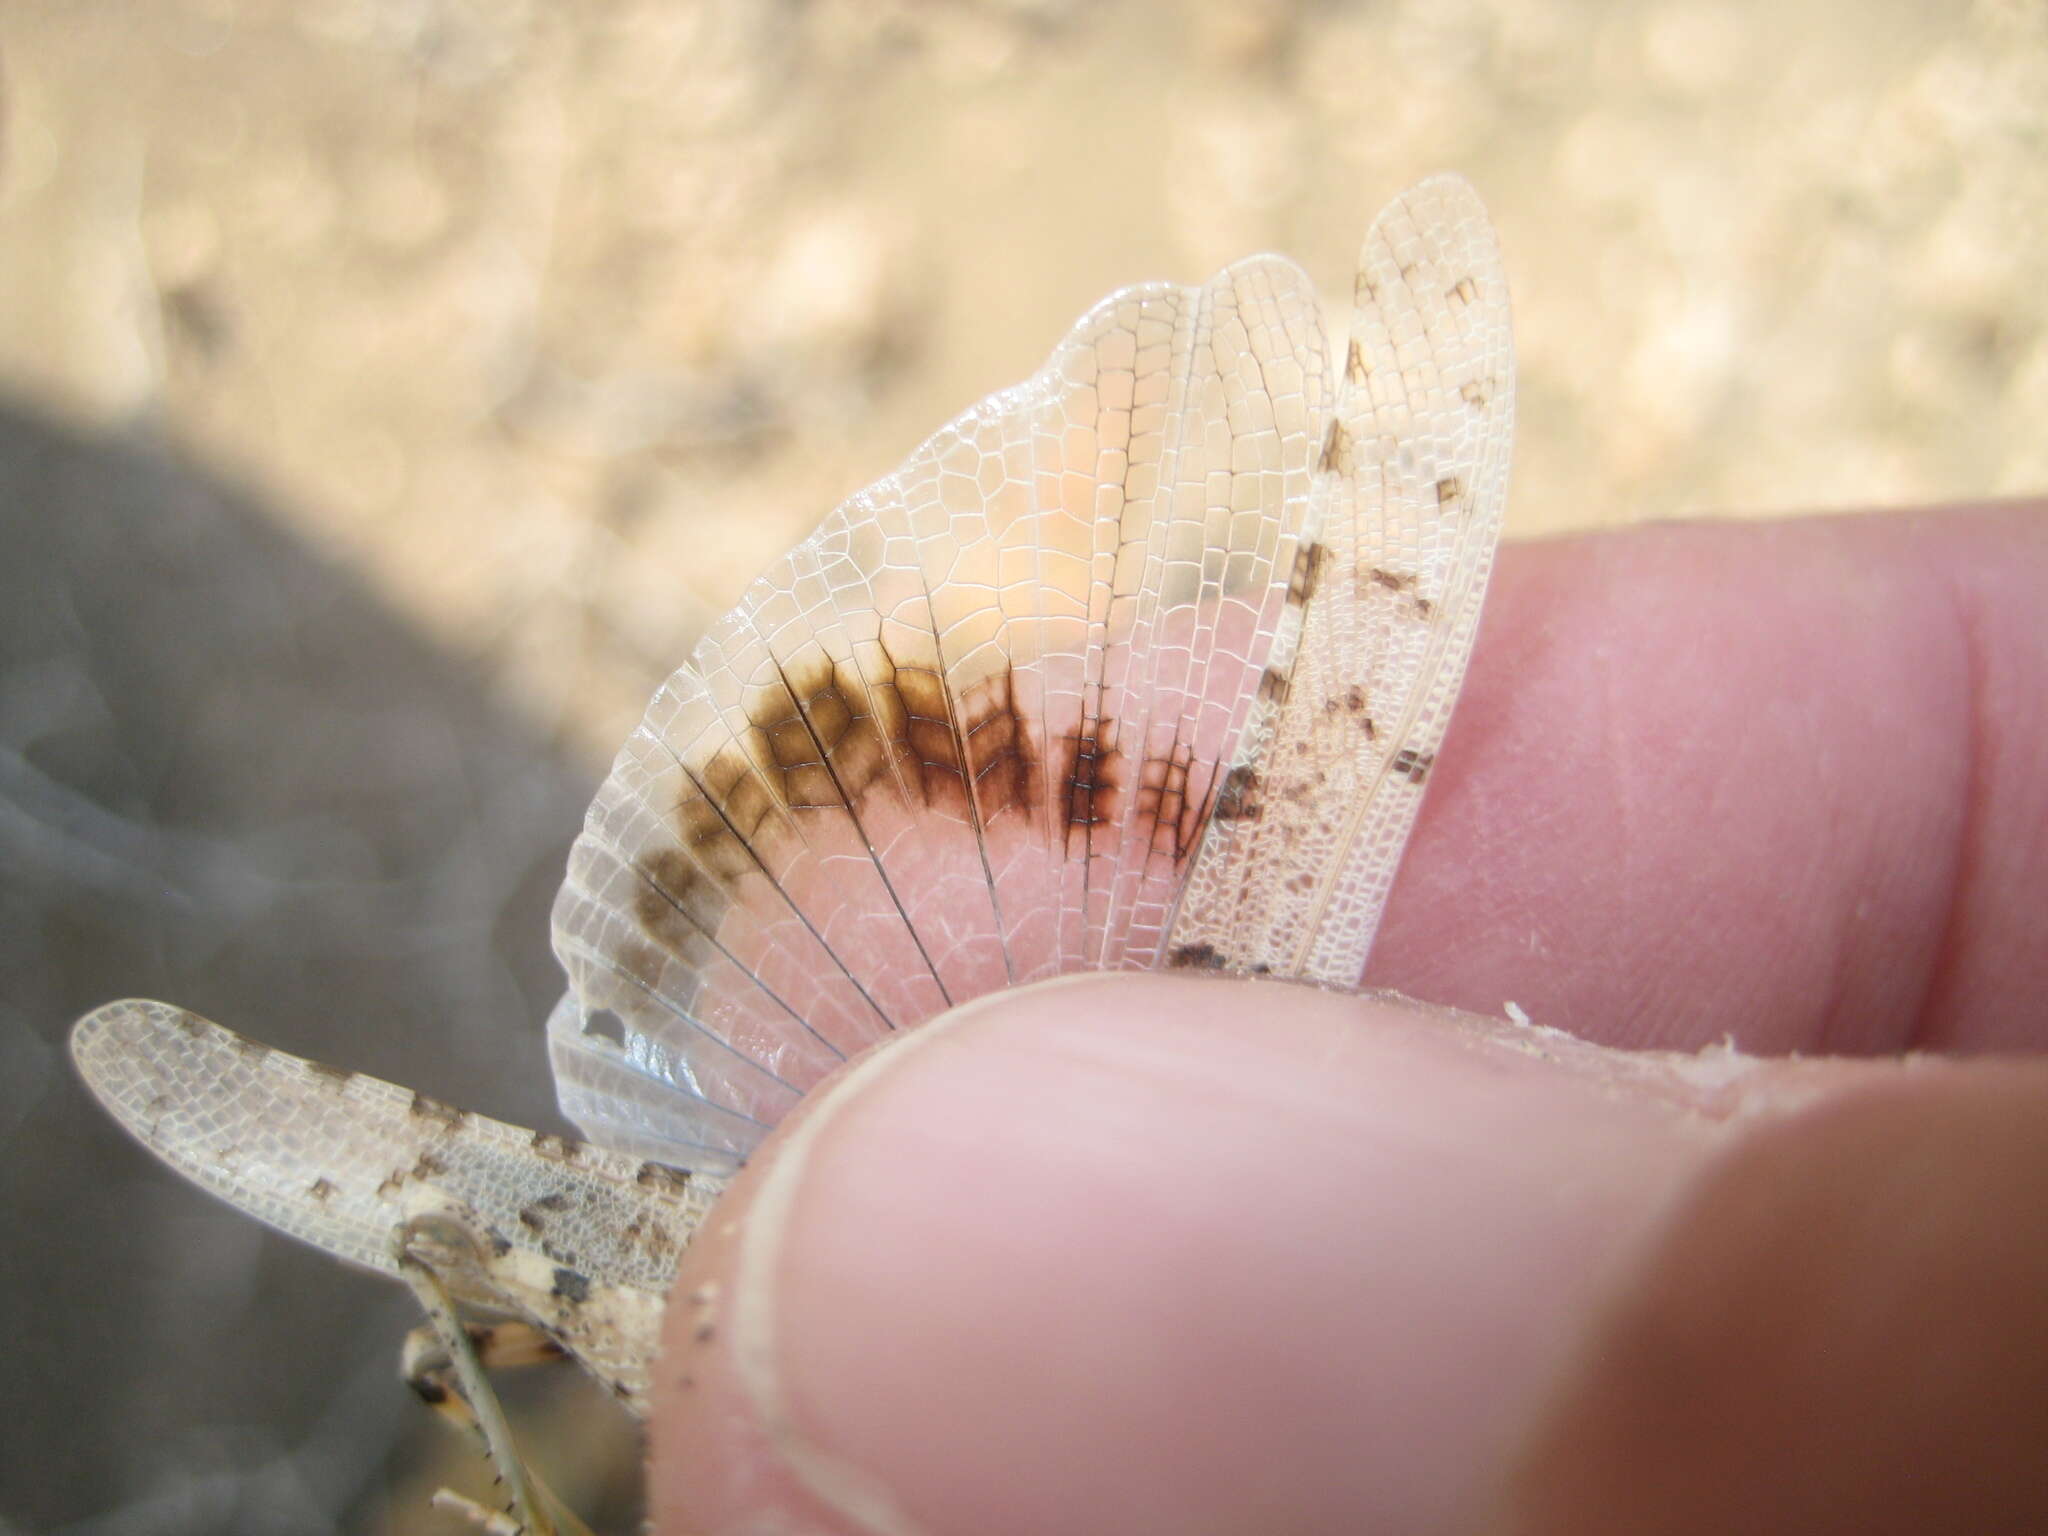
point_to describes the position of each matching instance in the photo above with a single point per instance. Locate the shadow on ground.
(230, 778)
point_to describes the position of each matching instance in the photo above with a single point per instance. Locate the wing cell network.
(578, 1240)
(1412, 477)
(1139, 663)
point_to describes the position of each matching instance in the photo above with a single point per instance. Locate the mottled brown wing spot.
(793, 759)
(723, 815)
(676, 908)
(1351, 701)
(433, 1109)
(671, 1181)
(886, 704)
(1088, 770)
(560, 1149)
(844, 719)
(1001, 757)
(1403, 581)
(1473, 392)
(1238, 799)
(1195, 957)
(1273, 686)
(570, 1286)
(934, 752)
(321, 1190)
(1163, 802)
(1307, 573)
(1463, 292)
(1412, 765)
(721, 819)
(1336, 449)
(1448, 491)
(1355, 368)
(682, 896)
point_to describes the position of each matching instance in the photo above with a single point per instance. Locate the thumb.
(1145, 1254)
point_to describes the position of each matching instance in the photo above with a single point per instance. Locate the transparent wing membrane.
(1141, 663)
(1412, 473)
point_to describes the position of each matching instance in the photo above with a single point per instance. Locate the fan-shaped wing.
(1141, 662)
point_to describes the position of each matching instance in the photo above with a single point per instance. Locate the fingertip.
(1841, 1329)
(1151, 1254)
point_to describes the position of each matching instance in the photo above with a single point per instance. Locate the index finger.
(1781, 782)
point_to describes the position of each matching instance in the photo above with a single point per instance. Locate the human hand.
(1142, 1253)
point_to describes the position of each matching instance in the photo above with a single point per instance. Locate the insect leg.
(442, 1364)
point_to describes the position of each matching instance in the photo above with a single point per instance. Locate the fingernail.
(1141, 1254)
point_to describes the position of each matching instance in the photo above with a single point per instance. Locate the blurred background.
(389, 392)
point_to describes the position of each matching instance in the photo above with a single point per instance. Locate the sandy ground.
(389, 393)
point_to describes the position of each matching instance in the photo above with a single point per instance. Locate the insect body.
(1143, 663)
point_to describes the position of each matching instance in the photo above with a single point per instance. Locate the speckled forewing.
(1412, 470)
(580, 1241)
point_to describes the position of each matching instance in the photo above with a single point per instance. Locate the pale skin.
(1181, 1255)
